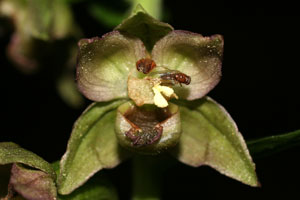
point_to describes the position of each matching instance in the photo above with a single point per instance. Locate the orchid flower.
(149, 85)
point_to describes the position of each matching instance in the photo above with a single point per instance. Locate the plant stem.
(147, 176)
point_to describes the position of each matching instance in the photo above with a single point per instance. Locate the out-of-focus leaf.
(68, 90)
(13, 153)
(74, 1)
(32, 184)
(107, 16)
(92, 146)
(145, 27)
(210, 137)
(63, 24)
(273, 144)
(32, 18)
(39, 16)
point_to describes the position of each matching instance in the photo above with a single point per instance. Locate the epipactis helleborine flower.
(135, 71)
(181, 65)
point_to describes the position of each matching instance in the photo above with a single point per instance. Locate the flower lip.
(148, 129)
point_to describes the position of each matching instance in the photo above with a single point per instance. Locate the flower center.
(154, 84)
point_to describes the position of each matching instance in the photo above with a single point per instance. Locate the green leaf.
(68, 90)
(145, 27)
(32, 184)
(210, 137)
(273, 144)
(92, 146)
(105, 15)
(13, 153)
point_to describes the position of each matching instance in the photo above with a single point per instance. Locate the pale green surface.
(145, 27)
(13, 153)
(33, 184)
(92, 146)
(210, 137)
(104, 64)
(197, 56)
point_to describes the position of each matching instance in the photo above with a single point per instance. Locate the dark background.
(259, 88)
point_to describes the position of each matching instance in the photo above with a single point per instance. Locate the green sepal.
(210, 137)
(92, 146)
(145, 27)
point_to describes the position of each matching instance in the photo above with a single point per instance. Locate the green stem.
(147, 176)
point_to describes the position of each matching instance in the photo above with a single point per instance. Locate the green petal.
(12, 153)
(197, 56)
(104, 64)
(145, 27)
(32, 184)
(92, 146)
(210, 137)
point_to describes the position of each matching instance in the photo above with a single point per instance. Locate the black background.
(259, 88)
